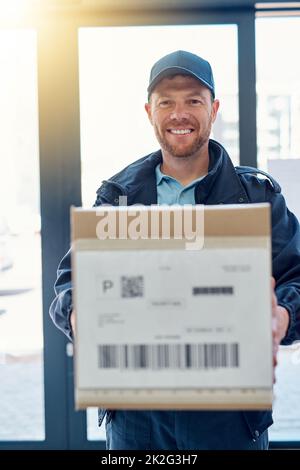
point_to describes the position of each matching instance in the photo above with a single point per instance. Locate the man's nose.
(179, 112)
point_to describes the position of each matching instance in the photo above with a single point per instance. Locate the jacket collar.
(138, 181)
(221, 185)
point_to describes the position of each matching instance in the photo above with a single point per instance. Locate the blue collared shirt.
(170, 191)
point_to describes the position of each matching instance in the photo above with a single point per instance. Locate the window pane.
(114, 71)
(287, 387)
(286, 414)
(21, 337)
(278, 91)
(278, 124)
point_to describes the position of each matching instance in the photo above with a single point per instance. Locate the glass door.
(114, 67)
(22, 414)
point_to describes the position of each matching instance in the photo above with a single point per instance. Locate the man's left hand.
(280, 323)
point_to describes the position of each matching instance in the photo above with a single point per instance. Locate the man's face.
(182, 112)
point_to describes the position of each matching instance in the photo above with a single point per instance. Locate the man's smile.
(180, 131)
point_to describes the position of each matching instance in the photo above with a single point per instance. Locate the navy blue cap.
(183, 63)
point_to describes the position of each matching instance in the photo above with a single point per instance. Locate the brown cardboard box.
(173, 307)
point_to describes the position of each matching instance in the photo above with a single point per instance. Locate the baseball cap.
(185, 63)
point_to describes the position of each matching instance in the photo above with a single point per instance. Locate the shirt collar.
(161, 176)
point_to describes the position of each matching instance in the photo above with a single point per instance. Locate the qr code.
(132, 286)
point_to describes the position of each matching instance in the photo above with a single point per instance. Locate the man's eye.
(164, 104)
(195, 101)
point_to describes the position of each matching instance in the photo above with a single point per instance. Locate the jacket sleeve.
(62, 305)
(286, 262)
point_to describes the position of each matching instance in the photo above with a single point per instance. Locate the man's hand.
(73, 323)
(280, 323)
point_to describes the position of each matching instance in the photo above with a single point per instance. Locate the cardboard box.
(173, 307)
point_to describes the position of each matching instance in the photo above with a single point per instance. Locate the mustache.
(180, 122)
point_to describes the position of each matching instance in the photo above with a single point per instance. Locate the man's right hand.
(73, 323)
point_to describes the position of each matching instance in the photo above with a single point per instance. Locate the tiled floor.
(287, 396)
(22, 400)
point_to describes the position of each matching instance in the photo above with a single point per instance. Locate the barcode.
(132, 286)
(219, 290)
(168, 356)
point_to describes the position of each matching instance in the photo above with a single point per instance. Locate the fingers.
(73, 322)
(273, 296)
(275, 352)
(274, 326)
(273, 282)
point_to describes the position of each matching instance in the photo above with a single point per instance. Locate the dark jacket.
(224, 184)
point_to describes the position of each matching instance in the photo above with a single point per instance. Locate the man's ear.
(148, 111)
(215, 107)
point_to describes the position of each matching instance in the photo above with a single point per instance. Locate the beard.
(188, 150)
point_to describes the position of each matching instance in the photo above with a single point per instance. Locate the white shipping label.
(173, 318)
